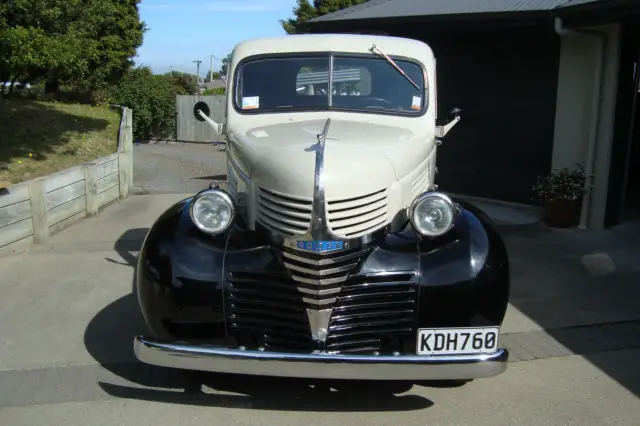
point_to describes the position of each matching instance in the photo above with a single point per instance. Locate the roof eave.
(461, 19)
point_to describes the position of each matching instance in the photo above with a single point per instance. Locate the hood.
(359, 157)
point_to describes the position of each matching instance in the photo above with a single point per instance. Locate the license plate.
(450, 341)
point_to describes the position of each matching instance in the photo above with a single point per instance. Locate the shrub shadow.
(34, 127)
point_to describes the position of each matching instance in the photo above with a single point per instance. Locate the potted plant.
(560, 194)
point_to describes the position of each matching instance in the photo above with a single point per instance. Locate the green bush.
(184, 80)
(217, 91)
(153, 101)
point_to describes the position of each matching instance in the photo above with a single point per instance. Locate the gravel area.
(177, 168)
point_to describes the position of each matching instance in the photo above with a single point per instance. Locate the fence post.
(90, 171)
(129, 145)
(39, 218)
(123, 174)
(125, 154)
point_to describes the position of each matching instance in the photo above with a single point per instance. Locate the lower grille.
(369, 314)
(267, 311)
(374, 314)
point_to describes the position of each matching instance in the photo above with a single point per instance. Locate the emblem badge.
(320, 246)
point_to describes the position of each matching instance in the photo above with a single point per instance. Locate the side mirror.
(454, 117)
(455, 112)
(217, 127)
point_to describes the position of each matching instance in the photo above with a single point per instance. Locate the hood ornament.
(319, 229)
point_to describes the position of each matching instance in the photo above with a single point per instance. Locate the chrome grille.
(320, 275)
(355, 217)
(373, 314)
(267, 311)
(369, 313)
(283, 213)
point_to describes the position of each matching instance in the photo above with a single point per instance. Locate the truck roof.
(348, 43)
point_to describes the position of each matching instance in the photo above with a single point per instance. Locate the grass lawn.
(38, 138)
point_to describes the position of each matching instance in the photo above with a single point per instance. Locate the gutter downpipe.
(596, 104)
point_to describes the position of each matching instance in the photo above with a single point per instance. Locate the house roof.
(379, 9)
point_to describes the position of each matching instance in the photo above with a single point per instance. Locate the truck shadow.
(109, 337)
(581, 309)
(109, 340)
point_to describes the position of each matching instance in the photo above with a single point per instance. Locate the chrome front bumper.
(319, 366)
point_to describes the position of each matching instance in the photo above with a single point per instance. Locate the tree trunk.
(13, 82)
(52, 87)
(4, 76)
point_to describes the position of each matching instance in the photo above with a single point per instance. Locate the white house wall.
(576, 91)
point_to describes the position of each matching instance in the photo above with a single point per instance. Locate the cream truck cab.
(332, 254)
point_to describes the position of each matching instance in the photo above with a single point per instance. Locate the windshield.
(301, 83)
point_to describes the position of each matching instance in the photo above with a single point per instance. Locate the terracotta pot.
(561, 213)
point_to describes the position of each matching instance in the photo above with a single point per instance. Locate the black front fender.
(184, 290)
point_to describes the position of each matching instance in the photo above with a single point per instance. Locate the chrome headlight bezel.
(210, 193)
(422, 198)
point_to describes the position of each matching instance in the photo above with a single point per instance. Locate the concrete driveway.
(68, 317)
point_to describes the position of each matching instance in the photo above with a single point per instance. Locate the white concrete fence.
(31, 211)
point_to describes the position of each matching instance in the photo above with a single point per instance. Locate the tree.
(305, 10)
(153, 98)
(116, 32)
(187, 82)
(85, 43)
(225, 64)
(216, 76)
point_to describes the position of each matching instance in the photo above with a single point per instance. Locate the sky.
(182, 31)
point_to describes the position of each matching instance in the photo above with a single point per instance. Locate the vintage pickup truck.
(332, 254)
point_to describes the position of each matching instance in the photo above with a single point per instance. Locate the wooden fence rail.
(32, 211)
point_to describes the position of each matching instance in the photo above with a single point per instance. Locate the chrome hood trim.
(318, 318)
(319, 230)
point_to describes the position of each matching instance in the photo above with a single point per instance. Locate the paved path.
(176, 168)
(67, 319)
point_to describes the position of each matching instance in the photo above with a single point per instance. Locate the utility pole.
(198, 71)
(211, 71)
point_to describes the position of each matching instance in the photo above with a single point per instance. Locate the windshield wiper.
(391, 61)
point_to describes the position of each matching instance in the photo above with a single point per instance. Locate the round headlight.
(212, 211)
(432, 214)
